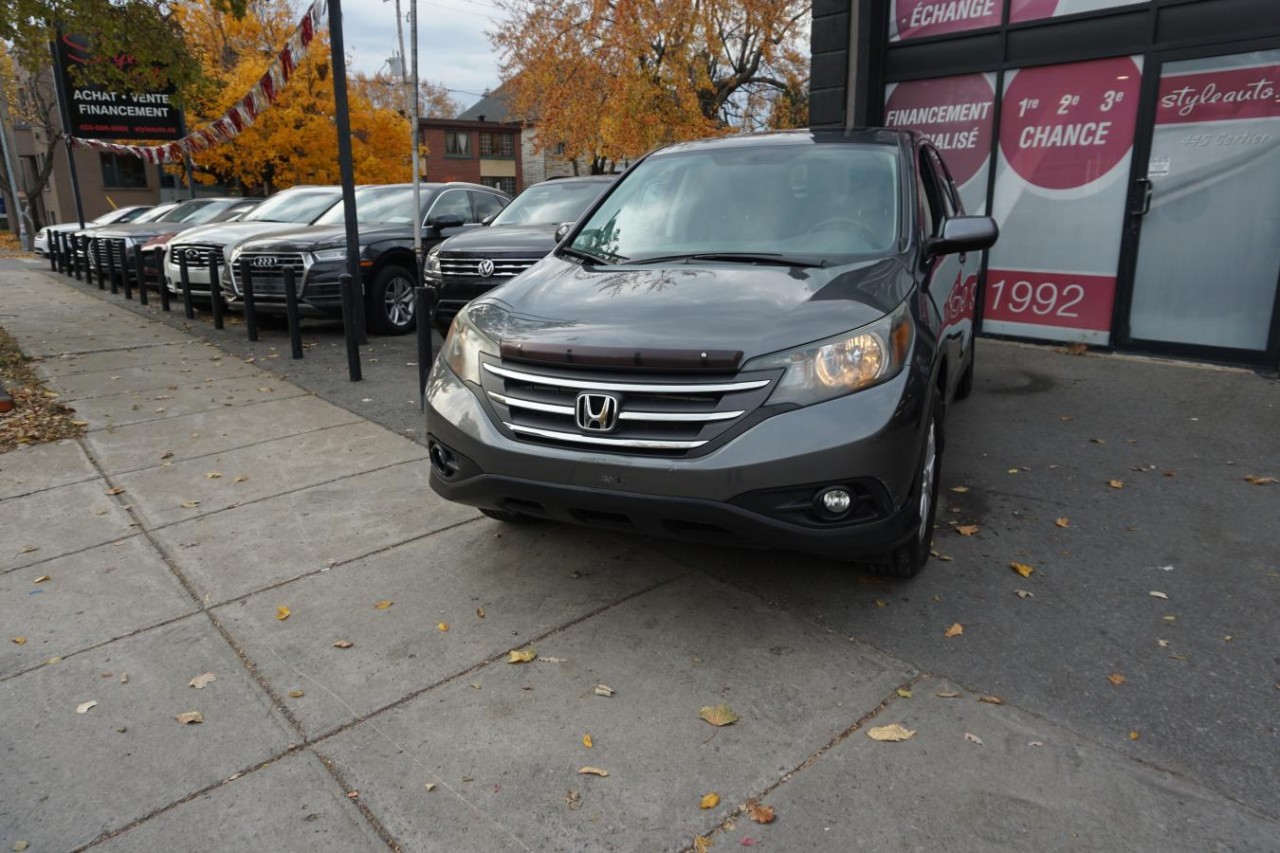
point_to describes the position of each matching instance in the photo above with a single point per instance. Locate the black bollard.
(185, 278)
(141, 267)
(250, 306)
(347, 288)
(162, 282)
(64, 256)
(422, 316)
(97, 263)
(291, 312)
(126, 276)
(73, 256)
(215, 291)
(53, 250)
(111, 263)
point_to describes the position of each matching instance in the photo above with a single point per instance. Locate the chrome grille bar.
(627, 387)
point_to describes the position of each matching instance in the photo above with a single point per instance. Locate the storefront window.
(1066, 138)
(1033, 10)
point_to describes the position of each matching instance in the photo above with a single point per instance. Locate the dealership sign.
(94, 112)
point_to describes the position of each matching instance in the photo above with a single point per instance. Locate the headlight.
(337, 254)
(843, 364)
(463, 346)
(431, 269)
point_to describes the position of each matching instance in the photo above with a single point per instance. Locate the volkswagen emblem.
(264, 261)
(596, 412)
(486, 268)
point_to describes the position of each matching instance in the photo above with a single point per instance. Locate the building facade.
(482, 152)
(1129, 149)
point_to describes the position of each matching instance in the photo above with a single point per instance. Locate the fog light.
(836, 501)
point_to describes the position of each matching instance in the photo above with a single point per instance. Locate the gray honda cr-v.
(750, 340)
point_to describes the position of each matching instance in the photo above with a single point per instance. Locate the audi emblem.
(596, 412)
(486, 268)
(264, 261)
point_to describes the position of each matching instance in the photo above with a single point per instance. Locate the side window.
(950, 195)
(452, 203)
(486, 204)
(928, 213)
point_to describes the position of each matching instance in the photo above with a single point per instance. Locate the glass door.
(1204, 227)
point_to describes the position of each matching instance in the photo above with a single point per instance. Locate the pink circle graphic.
(1031, 10)
(955, 113)
(918, 18)
(1065, 126)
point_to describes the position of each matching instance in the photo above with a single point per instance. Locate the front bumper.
(756, 489)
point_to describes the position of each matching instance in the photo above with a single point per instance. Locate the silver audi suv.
(751, 340)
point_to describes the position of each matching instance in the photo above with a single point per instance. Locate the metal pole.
(140, 266)
(215, 291)
(250, 307)
(65, 114)
(417, 177)
(162, 283)
(97, 262)
(421, 313)
(185, 278)
(111, 262)
(291, 312)
(125, 276)
(24, 240)
(338, 59)
(347, 286)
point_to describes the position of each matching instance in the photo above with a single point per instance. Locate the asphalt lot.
(1161, 708)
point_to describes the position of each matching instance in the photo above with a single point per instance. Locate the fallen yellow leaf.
(190, 504)
(991, 699)
(1022, 593)
(240, 478)
(479, 612)
(587, 741)
(892, 733)
(343, 644)
(1259, 481)
(296, 694)
(592, 771)
(960, 489)
(948, 694)
(190, 718)
(904, 693)
(202, 681)
(118, 490)
(603, 690)
(759, 813)
(41, 579)
(718, 716)
(1133, 735)
(881, 603)
(83, 707)
(1063, 522)
(442, 626)
(282, 612)
(701, 844)
(213, 475)
(1157, 594)
(383, 605)
(1116, 484)
(19, 641)
(1022, 569)
(1116, 678)
(521, 655)
(968, 529)
(709, 801)
(1013, 470)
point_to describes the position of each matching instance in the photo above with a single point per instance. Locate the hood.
(307, 238)
(229, 233)
(534, 239)
(726, 306)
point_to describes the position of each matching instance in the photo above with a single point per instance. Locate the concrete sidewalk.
(381, 713)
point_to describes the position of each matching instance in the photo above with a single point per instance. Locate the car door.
(449, 203)
(954, 278)
(487, 205)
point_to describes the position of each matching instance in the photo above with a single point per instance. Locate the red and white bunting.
(243, 113)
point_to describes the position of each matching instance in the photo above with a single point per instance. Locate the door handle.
(1143, 201)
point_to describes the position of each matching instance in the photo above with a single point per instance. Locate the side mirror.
(448, 220)
(964, 234)
(563, 229)
(488, 219)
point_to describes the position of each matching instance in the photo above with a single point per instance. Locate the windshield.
(219, 211)
(391, 205)
(300, 206)
(825, 201)
(184, 211)
(550, 203)
(121, 214)
(156, 212)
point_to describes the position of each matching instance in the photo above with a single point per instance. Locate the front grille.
(460, 268)
(105, 251)
(197, 255)
(267, 270)
(667, 415)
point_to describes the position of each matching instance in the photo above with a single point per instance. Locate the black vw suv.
(479, 259)
(748, 340)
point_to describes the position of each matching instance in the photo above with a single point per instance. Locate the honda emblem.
(596, 412)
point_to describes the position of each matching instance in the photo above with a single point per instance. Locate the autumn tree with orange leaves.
(610, 79)
(295, 140)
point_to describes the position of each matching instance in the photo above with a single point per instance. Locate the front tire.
(908, 559)
(390, 306)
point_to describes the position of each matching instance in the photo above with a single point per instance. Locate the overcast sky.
(452, 46)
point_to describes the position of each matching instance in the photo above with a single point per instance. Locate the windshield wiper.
(588, 256)
(774, 258)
